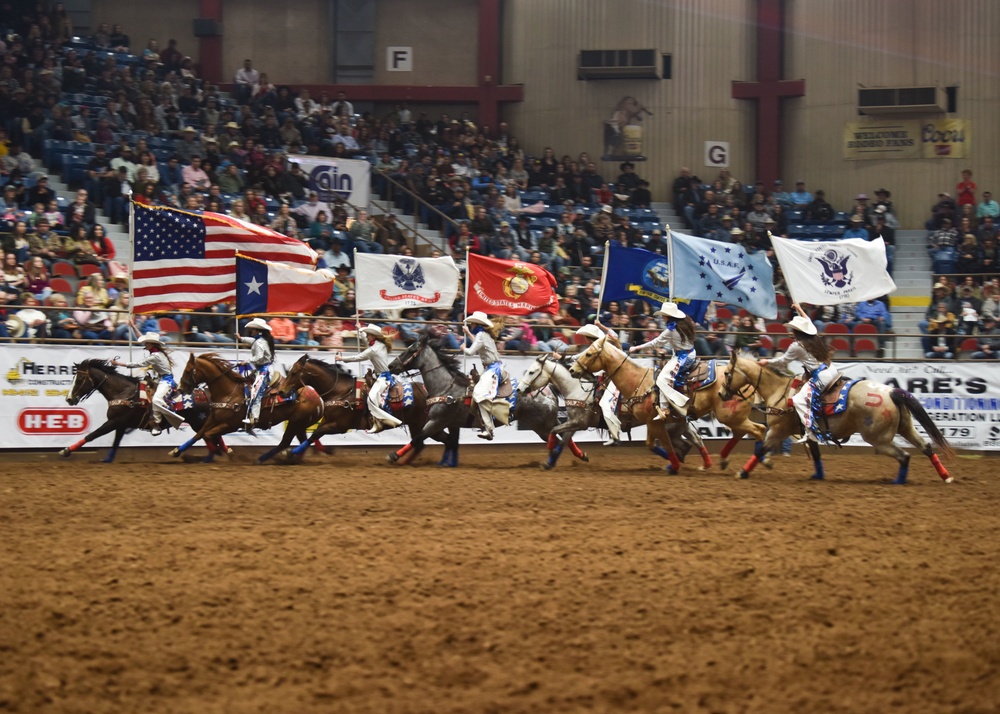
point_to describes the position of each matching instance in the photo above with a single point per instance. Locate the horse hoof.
(107, 459)
(208, 459)
(704, 468)
(743, 475)
(175, 453)
(672, 471)
(391, 458)
(585, 458)
(768, 463)
(65, 453)
(723, 464)
(817, 477)
(545, 466)
(950, 479)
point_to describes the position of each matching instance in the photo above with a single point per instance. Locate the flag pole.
(131, 271)
(670, 263)
(604, 278)
(357, 312)
(778, 258)
(465, 308)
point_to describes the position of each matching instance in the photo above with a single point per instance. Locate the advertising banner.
(960, 397)
(349, 179)
(908, 139)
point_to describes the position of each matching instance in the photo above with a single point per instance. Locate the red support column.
(488, 63)
(211, 47)
(769, 89)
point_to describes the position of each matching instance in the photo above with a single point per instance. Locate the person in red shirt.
(966, 189)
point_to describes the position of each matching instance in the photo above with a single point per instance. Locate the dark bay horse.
(125, 411)
(228, 404)
(343, 409)
(876, 411)
(447, 386)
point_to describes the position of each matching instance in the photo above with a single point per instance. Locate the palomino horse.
(876, 411)
(343, 409)
(125, 411)
(733, 412)
(228, 404)
(447, 387)
(582, 411)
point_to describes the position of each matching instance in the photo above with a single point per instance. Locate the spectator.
(819, 210)
(856, 229)
(873, 312)
(966, 189)
(390, 235)
(780, 196)
(245, 80)
(800, 198)
(941, 245)
(969, 255)
(362, 232)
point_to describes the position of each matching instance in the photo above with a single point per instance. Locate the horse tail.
(904, 400)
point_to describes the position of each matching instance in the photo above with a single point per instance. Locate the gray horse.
(447, 387)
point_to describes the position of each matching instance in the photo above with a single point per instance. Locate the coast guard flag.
(713, 270)
(266, 288)
(184, 260)
(509, 287)
(835, 271)
(636, 273)
(393, 282)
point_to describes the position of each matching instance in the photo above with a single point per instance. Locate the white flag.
(393, 282)
(834, 272)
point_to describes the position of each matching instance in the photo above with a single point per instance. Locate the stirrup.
(488, 435)
(660, 414)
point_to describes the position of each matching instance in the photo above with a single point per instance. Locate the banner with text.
(349, 179)
(959, 396)
(908, 139)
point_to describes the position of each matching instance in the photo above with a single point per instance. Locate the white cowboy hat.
(802, 324)
(479, 318)
(670, 309)
(16, 327)
(150, 338)
(257, 324)
(590, 331)
(373, 330)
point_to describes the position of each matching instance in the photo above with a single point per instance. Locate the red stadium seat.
(61, 267)
(969, 344)
(835, 328)
(865, 344)
(169, 325)
(865, 328)
(784, 343)
(840, 344)
(62, 285)
(724, 313)
(88, 269)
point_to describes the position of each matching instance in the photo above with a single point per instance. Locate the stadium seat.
(64, 268)
(865, 328)
(724, 313)
(864, 346)
(88, 269)
(64, 286)
(969, 345)
(836, 328)
(170, 328)
(840, 344)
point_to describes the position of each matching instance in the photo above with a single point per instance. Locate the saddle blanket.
(701, 378)
(828, 404)
(397, 397)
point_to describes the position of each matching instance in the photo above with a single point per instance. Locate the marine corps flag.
(509, 287)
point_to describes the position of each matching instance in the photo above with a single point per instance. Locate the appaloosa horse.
(228, 404)
(448, 411)
(876, 411)
(125, 409)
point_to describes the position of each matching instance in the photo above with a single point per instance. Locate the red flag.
(187, 260)
(509, 287)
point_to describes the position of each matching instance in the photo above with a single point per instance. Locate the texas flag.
(509, 287)
(266, 288)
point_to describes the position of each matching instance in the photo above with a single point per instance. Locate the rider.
(483, 336)
(377, 353)
(809, 349)
(609, 400)
(261, 358)
(678, 336)
(157, 361)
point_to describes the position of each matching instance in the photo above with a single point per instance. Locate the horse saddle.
(701, 377)
(506, 386)
(273, 399)
(833, 400)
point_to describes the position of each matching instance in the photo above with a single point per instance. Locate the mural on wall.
(623, 131)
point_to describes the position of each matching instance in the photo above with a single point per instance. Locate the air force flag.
(393, 282)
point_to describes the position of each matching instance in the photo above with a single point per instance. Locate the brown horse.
(228, 404)
(876, 411)
(343, 408)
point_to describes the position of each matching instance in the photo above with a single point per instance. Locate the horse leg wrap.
(729, 446)
(820, 473)
(319, 447)
(675, 463)
(77, 445)
(575, 450)
(453, 461)
(750, 464)
(660, 451)
(552, 442)
(758, 450)
(404, 450)
(445, 458)
(939, 467)
(706, 458)
(554, 454)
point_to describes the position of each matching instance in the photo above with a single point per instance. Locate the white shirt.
(377, 354)
(670, 338)
(155, 362)
(796, 353)
(260, 351)
(485, 347)
(247, 76)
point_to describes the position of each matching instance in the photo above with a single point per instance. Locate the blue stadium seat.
(795, 216)
(798, 230)
(840, 218)
(833, 231)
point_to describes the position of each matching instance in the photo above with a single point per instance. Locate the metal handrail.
(393, 182)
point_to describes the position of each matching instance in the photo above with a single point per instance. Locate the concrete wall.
(442, 34)
(143, 20)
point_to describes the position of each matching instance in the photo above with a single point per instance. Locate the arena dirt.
(345, 585)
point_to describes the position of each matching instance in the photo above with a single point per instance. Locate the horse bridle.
(94, 384)
(740, 393)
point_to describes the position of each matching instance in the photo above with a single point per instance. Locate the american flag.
(187, 261)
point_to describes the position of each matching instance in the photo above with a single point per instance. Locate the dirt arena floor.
(348, 586)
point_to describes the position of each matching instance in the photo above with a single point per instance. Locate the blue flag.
(726, 272)
(636, 273)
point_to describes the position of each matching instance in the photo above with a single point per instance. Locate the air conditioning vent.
(902, 100)
(618, 64)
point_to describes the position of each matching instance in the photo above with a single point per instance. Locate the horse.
(876, 411)
(125, 411)
(734, 413)
(582, 411)
(228, 404)
(447, 389)
(343, 408)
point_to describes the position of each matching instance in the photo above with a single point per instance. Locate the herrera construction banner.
(908, 139)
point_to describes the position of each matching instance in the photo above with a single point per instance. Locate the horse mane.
(448, 360)
(219, 361)
(105, 366)
(335, 370)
